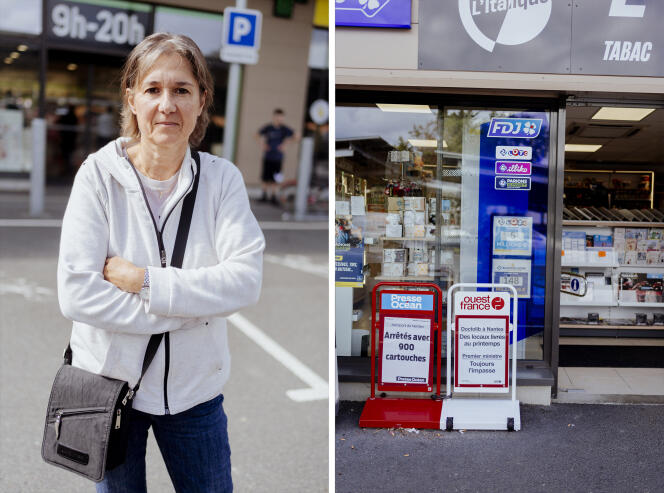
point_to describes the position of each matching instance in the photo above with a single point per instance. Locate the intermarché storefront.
(451, 160)
(85, 46)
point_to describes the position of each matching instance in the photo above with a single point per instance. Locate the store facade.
(454, 163)
(62, 62)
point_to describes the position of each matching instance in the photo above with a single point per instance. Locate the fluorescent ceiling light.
(581, 147)
(425, 143)
(624, 114)
(404, 108)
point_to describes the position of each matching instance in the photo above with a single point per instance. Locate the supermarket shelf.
(636, 304)
(589, 264)
(405, 238)
(636, 267)
(604, 224)
(623, 304)
(608, 341)
(404, 278)
(602, 326)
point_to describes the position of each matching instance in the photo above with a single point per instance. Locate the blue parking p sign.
(242, 34)
(242, 30)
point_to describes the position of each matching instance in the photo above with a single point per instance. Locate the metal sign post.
(406, 323)
(240, 44)
(481, 325)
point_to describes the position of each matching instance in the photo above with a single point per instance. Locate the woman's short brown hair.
(143, 57)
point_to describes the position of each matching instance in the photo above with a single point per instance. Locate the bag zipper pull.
(58, 419)
(128, 397)
(117, 419)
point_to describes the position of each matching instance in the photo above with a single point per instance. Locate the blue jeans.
(193, 443)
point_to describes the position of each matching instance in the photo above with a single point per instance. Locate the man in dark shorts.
(273, 137)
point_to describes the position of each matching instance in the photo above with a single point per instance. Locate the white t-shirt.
(157, 192)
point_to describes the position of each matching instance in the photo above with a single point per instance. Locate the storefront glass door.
(445, 194)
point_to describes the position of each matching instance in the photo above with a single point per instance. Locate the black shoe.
(274, 201)
(263, 198)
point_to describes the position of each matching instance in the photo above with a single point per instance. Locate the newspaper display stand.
(407, 323)
(476, 368)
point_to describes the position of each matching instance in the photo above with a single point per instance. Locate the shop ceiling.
(624, 142)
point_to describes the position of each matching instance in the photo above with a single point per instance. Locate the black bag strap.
(176, 261)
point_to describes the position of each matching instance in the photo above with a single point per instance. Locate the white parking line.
(293, 225)
(318, 388)
(298, 262)
(30, 223)
(265, 225)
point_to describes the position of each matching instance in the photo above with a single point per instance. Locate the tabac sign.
(599, 37)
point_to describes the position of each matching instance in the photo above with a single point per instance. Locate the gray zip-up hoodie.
(107, 216)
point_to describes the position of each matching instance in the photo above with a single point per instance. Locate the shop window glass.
(19, 90)
(318, 49)
(424, 194)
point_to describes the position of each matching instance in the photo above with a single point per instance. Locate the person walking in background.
(273, 137)
(114, 282)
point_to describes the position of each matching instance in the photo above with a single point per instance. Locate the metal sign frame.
(421, 314)
(400, 412)
(376, 326)
(476, 413)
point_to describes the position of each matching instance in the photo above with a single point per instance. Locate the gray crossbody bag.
(87, 418)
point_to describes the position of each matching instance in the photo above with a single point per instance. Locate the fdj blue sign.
(516, 128)
(242, 30)
(410, 301)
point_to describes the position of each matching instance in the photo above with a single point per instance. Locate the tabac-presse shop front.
(528, 157)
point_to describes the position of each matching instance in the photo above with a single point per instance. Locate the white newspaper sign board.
(406, 350)
(481, 348)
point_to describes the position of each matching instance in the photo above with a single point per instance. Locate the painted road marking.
(30, 223)
(30, 290)
(265, 225)
(318, 388)
(298, 262)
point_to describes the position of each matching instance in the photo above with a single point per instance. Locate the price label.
(513, 280)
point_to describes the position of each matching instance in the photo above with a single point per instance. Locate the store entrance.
(82, 108)
(613, 234)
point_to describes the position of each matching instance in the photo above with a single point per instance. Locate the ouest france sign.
(598, 37)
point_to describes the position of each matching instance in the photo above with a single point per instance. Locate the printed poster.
(515, 272)
(481, 354)
(406, 350)
(513, 235)
(349, 251)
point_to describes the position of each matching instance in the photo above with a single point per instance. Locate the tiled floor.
(588, 384)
